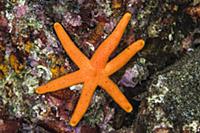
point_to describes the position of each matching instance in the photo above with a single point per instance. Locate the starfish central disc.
(95, 71)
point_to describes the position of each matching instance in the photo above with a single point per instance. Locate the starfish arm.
(83, 103)
(111, 88)
(103, 52)
(74, 53)
(120, 60)
(61, 83)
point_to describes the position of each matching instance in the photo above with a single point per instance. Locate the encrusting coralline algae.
(31, 55)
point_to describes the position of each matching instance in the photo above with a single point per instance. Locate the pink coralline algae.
(72, 20)
(128, 78)
(21, 11)
(3, 21)
(133, 76)
(109, 26)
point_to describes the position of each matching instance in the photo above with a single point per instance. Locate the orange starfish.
(96, 71)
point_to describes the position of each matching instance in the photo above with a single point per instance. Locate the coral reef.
(163, 75)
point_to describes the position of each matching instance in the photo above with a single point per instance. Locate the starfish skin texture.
(95, 71)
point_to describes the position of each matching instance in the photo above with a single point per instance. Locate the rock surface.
(173, 101)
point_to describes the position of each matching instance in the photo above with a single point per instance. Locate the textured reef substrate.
(162, 81)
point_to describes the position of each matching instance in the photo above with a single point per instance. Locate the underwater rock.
(8, 126)
(173, 100)
(31, 55)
